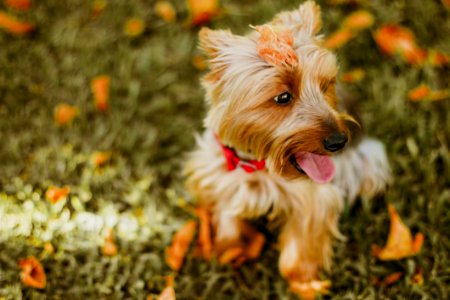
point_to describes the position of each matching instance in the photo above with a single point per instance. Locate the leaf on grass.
(275, 45)
(100, 89)
(32, 273)
(65, 113)
(339, 38)
(202, 11)
(166, 11)
(392, 278)
(18, 4)
(100, 158)
(176, 252)
(424, 92)
(417, 278)
(109, 247)
(395, 39)
(354, 75)
(309, 290)
(56, 194)
(400, 243)
(134, 27)
(13, 25)
(204, 241)
(358, 20)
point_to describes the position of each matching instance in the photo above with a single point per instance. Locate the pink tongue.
(319, 168)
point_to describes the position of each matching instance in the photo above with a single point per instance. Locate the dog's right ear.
(212, 42)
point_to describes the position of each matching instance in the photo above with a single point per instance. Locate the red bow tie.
(233, 160)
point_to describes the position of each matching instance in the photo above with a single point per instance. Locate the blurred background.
(100, 101)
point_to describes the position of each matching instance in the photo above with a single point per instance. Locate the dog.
(276, 144)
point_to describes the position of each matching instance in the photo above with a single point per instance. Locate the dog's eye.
(283, 98)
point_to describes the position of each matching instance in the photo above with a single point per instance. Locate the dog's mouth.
(320, 168)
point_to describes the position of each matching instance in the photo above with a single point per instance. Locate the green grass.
(156, 107)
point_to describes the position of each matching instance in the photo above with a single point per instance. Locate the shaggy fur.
(240, 89)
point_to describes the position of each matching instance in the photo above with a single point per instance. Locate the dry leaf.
(98, 6)
(392, 278)
(32, 273)
(309, 290)
(13, 25)
(396, 39)
(109, 247)
(424, 92)
(165, 10)
(134, 27)
(55, 194)
(100, 158)
(275, 45)
(100, 89)
(176, 252)
(358, 20)
(339, 38)
(65, 113)
(205, 235)
(400, 243)
(417, 278)
(18, 4)
(354, 75)
(202, 11)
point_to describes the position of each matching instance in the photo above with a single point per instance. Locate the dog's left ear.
(305, 22)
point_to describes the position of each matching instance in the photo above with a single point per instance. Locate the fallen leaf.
(205, 235)
(275, 45)
(100, 89)
(166, 11)
(359, 20)
(339, 38)
(65, 113)
(309, 290)
(55, 194)
(400, 243)
(13, 25)
(32, 273)
(202, 11)
(176, 252)
(354, 75)
(392, 278)
(134, 27)
(109, 247)
(395, 39)
(424, 92)
(98, 6)
(100, 158)
(417, 278)
(18, 4)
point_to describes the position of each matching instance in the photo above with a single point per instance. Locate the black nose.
(335, 142)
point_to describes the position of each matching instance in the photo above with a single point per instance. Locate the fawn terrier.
(272, 126)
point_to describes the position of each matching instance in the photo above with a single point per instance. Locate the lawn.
(155, 108)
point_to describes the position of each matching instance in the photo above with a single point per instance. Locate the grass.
(156, 107)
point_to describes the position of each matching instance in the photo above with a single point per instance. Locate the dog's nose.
(335, 142)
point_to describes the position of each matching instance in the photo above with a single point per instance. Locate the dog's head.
(277, 103)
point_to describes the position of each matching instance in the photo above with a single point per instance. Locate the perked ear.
(211, 42)
(305, 21)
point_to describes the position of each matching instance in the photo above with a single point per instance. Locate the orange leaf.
(354, 75)
(134, 27)
(98, 6)
(165, 10)
(400, 243)
(32, 273)
(339, 38)
(417, 278)
(423, 92)
(204, 236)
(230, 254)
(65, 113)
(18, 4)
(359, 20)
(13, 25)
(100, 89)
(202, 11)
(100, 158)
(176, 252)
(438, 59)
(309, 290)
(55, 194)
(393, 39)
(275, 45)
(392, 278)
(109, 247)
